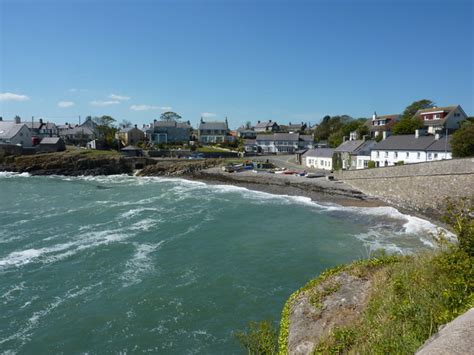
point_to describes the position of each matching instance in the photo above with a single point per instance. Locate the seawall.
(421, 187)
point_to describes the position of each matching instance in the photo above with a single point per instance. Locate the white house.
(319, 158)
(411, 149)
(15, 132)
(379, 124)
(438, 119)
(287, 143)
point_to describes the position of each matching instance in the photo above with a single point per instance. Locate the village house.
(15, 132)
(163, 132)
(266, 126)
(286, 143)
(42, 129)
(51, 144)
(409, 149)
(296, 127)
(379, 124)
(246, 133)
(214, 132)
(78, 134)
(319, 158)
(130, 135)
(440, 119)
(353, 153)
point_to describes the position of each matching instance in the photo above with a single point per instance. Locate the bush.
(462, 142)
(460, 215)
(400, 162)
(259, 338)
(371, 164)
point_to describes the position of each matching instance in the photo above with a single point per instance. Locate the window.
(377, 154)
(437, 116)
(396, 154)
(429, 156)
(418, 155)
(366, 163)
(435, 155)
(408, 155)
(322, 162)
(386, 154)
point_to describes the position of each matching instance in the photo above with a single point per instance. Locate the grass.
(409, 301)
(210, 149)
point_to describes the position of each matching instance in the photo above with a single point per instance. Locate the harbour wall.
(421, 187)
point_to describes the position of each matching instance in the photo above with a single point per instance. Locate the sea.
(124, 264)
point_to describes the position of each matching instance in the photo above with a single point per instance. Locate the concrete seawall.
(421, 187)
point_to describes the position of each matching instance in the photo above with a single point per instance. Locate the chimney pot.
(437, 136)
(17, 119)
(417, 133)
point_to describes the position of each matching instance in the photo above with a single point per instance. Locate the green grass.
(409, 301)
(210, 149)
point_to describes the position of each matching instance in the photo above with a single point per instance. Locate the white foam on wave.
(11, 174)
(140, 264)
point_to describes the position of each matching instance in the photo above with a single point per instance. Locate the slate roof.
(349, 146)
(439, 145)
(265, 124)
(410, 142)
(294, 137)
(50, 140)
(306, 137)
(436, 109)
(365, 148)
(9, 129)
(250, 141)
(216, 125)
(320, 153)
(436, 122)
(172, 124)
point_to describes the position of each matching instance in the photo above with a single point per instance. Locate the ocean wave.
(140, 264)
(11, 174)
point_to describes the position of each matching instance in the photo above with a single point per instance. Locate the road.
(283, 161)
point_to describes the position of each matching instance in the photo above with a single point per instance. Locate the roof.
(320, 153)
(349, 146)
(214, 125)
(386, 117)
(365, 148)
(306, 137)
(278, 137)
(250, 141)
(50, 140)
(410, 142)
(440, 145)
(436, 109)
(34, 125)
(265, 124)
(9, 129)
(171, 124)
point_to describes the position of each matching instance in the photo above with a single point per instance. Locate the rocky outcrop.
(456, 337)
(68, 164)
(178, 167)
(314, 313)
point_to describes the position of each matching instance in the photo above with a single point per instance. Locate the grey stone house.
(214, 132)
(162, 132)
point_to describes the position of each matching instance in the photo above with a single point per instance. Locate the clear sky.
(286, 60)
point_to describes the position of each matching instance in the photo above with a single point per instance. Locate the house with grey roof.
(378, 124)
(130, 135)
(163, 132)
(440, 119)
(246, 133)
(15, 132)
(266, 126)
(283, 143)
(51, 144)
(411, 148)
(345, 152)
(214, 132)
(42, 129)
(319, 158)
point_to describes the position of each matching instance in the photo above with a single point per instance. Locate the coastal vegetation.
(462, 142)
(410, 296)
(409, 123)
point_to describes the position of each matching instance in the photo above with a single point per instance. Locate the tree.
(248, 125)
(170, 116)
(462, 141)
(106, 129)
(409, 123)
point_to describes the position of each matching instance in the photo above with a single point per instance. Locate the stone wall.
(421, 187)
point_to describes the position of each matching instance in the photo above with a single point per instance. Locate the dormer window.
(437, 116)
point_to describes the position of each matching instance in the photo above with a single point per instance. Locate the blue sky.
(286, 60)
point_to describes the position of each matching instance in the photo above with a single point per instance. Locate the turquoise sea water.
(128, 264)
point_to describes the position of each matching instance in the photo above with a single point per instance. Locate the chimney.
(417, 133)
(384, 135)
(41, 121)
(289, 124)
(436, 136)
(364, 137)
(154, 121)
(17, 119)
(344, 138)
(258, 121)
(374, 116)
(135, 126)
(1, 119)
(270, 121)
